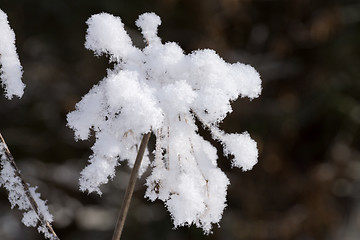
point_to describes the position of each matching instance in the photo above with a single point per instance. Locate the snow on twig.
(23, 196)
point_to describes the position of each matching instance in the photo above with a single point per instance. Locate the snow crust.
(163, 90)
(11, 69)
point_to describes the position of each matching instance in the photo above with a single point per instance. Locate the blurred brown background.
(306, 185)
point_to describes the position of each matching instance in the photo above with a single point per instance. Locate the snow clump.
(161, 89)
(11, 69)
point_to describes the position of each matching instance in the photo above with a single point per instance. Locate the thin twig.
(130, 188)
(32, 201)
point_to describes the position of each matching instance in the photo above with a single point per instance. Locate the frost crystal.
(163, 90)
(11, 69)
(17, 196)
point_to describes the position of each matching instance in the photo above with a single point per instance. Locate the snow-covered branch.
(22, 196)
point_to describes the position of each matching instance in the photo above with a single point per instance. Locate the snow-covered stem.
(26, 189)
(11, 69)
(130, 188)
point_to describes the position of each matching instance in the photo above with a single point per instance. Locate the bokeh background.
(306, 185)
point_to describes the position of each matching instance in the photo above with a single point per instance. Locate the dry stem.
(130, 188)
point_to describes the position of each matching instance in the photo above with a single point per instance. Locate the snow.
(17, 196)
(243, 148)
(11, 69)
(163, 90)
(148, 23)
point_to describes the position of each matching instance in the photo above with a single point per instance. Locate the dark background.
(306, 122)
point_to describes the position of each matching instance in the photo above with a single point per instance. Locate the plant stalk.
(130, 188)
(32, 201)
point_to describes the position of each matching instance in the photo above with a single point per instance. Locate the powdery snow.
(11, 69)
(163, 90)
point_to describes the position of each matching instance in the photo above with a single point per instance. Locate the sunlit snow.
(163, 90)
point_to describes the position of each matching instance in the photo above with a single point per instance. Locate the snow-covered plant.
(22, 196)
(160, 89)
(11, 69)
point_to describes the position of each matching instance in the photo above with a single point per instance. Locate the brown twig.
(32, 201)
(130, 188)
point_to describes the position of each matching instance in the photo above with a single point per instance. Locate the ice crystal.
(161, 89)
